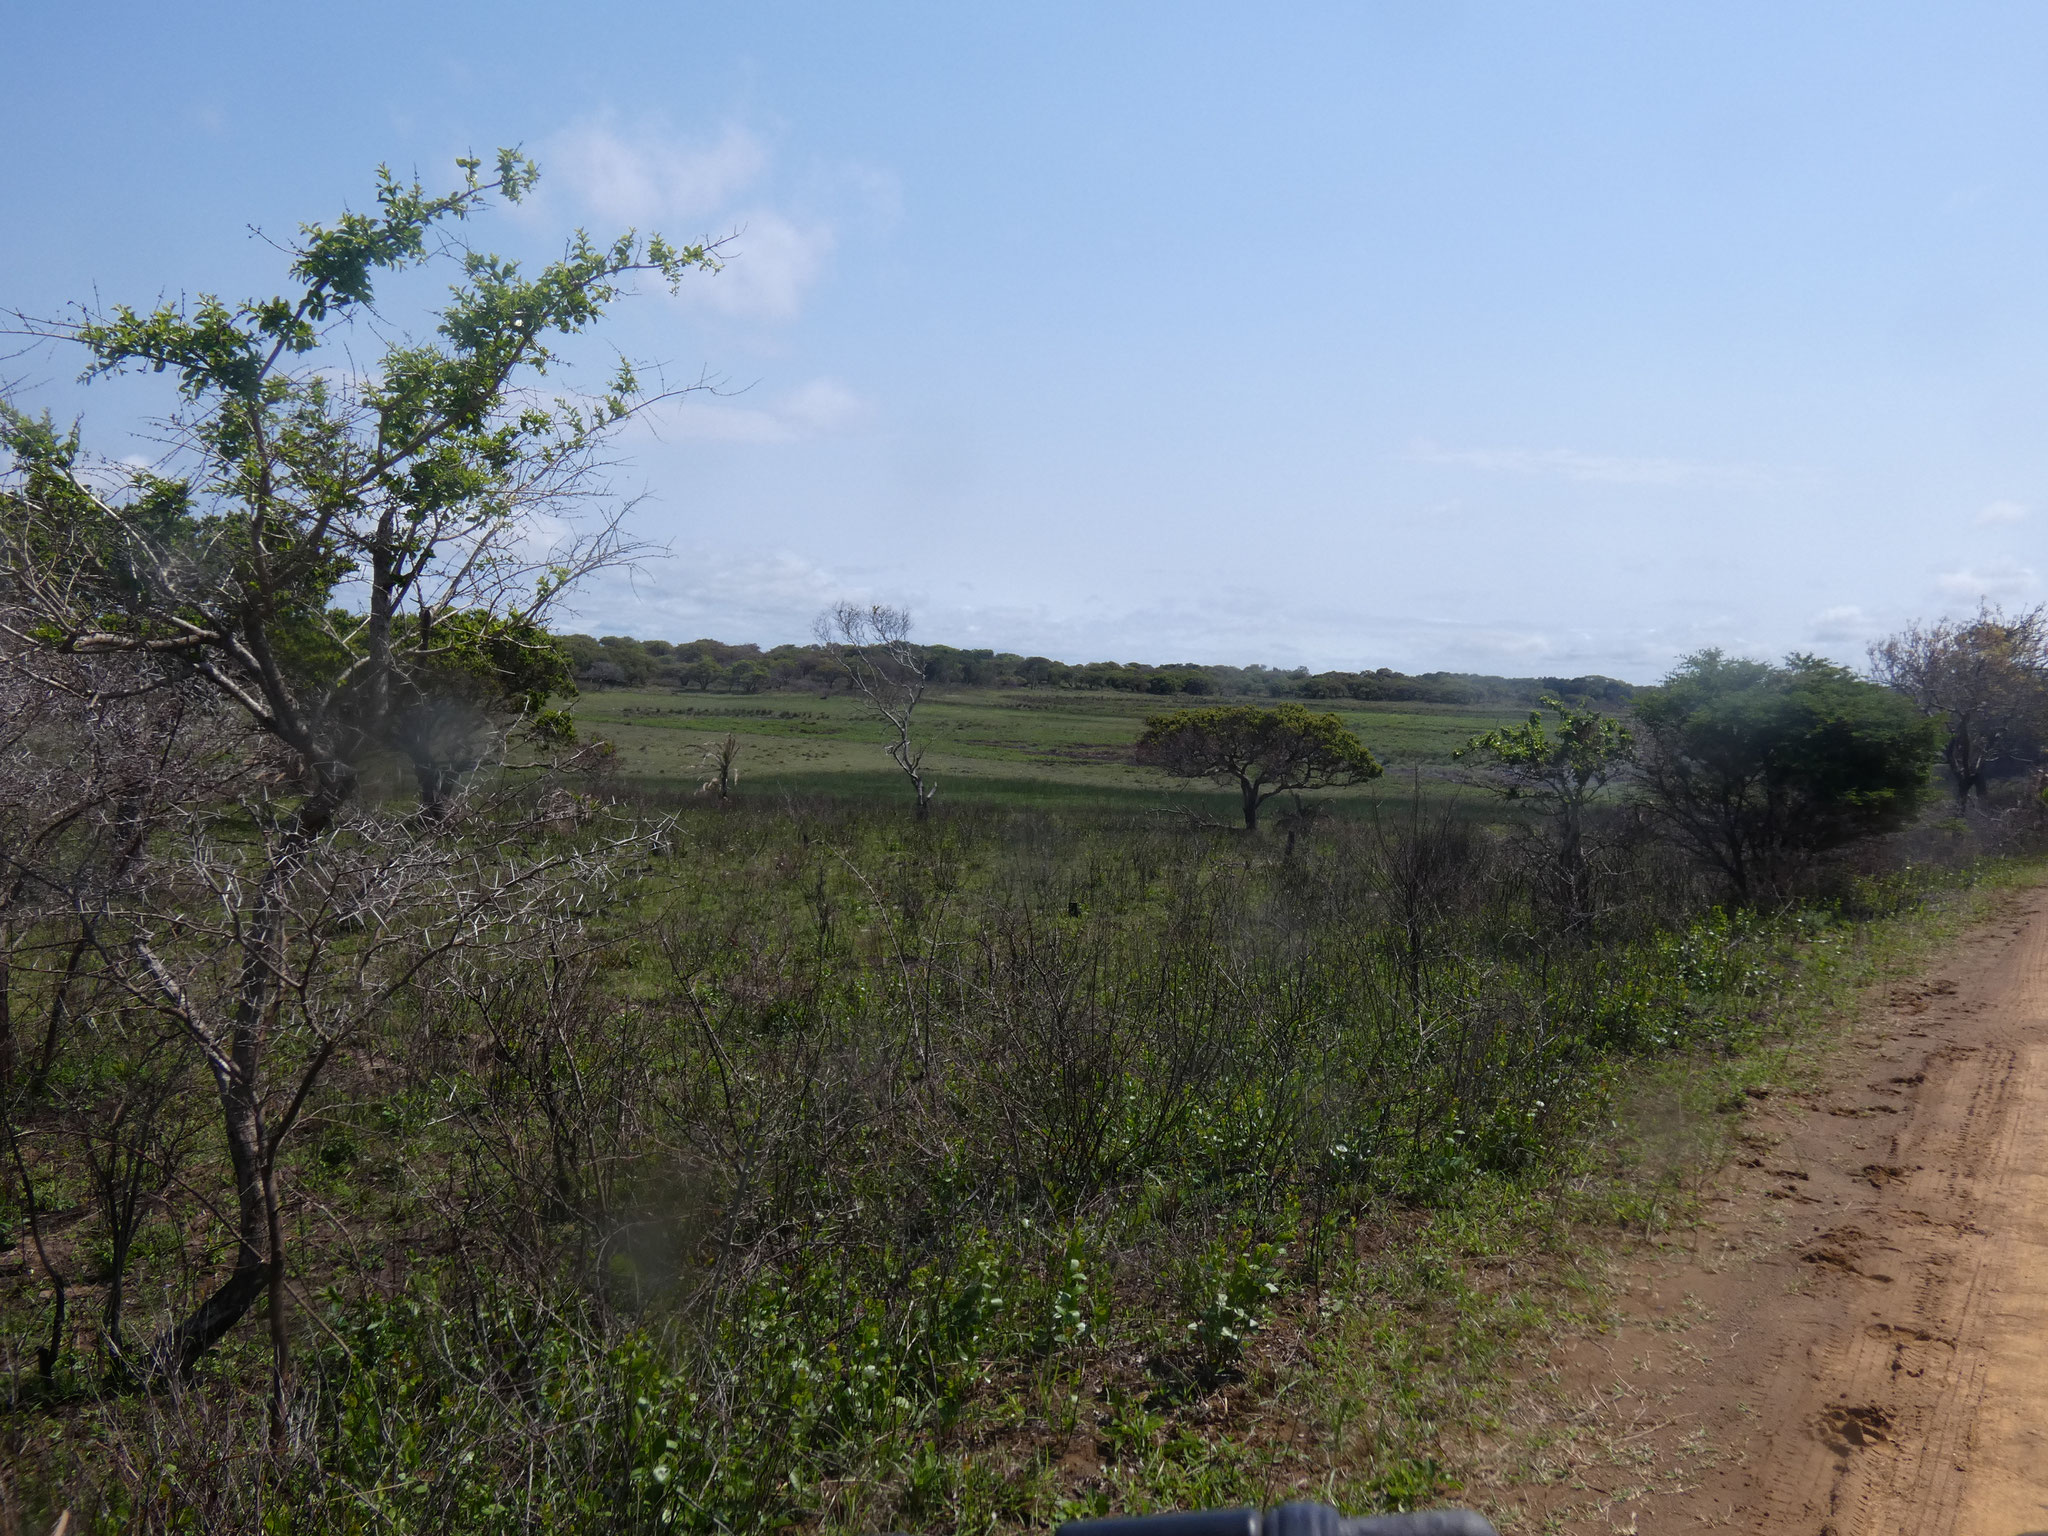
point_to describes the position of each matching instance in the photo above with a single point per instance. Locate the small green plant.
(1412, 1481)
(1069, 1309)
(1130, 1429)
(1241, 1283)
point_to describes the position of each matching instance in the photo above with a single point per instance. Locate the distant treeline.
(712, 666)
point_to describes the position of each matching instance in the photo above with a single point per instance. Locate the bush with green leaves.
(1757, 770)
(1238, 1281)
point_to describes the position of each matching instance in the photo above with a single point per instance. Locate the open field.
(1025, 746)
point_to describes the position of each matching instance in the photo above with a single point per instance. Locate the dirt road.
(1858, 1342)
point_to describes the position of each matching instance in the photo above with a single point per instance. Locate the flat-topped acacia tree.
(1262, 752)
(354, 541)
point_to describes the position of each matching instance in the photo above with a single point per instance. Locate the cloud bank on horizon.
(1449, 336)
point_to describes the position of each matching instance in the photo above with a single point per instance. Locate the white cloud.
(1845, 623)
(1600, 468)
(816, 409)
(2003, 578)
(646, 176)
(689, 190)
(823, 405)
(1523, 646)
(761, 595)
(879, 191)
(2001, 512)
(770, 595)
(771, 262)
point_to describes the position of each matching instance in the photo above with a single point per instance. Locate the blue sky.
(1509, 337)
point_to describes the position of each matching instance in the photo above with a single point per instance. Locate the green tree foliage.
(1263, 752)
(338, 555)
(339, 547)
(467, 674)
(1561, 769)
(1756, 769)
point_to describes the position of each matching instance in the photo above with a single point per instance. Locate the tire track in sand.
(1859, 1345)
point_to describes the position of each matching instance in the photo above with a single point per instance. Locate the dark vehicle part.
(1300, 1519)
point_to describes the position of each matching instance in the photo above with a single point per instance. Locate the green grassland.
(1007, 745)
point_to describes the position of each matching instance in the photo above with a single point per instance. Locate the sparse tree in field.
(345, 546)
(1261, 752)
(1984, 680)
(1756, 769)
(1561, 769)
(722, 764)
(872, 647)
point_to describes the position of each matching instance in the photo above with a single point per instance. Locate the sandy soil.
(1857, 1341)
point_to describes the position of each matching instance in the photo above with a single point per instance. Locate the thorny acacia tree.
(1561, 771)
(1983, 679)
(1263, 752)
(872, 647)
(342, 552)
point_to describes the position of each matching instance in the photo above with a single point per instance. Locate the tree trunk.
(1250, 793)
(1572, 855)
(6, 1008)
(280, 1332)
(117, 1290)
(1964, 769)
(259, 1235)
(180, 1347)
(48, 1355)
(53, 1029)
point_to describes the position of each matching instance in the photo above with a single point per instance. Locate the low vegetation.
(828, 1166)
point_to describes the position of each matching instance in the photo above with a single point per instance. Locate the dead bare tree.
(1420, 865)
(721, 765)
(96, 756)
(140, 818)
(352, 923)
(871, 645)
(1985, 679)
(135, 1123)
